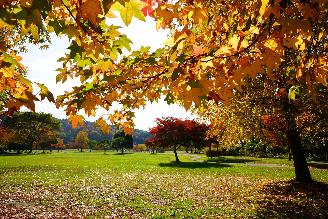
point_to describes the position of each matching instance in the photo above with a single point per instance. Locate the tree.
(5, 136)
(104, 144)
(262, 109)
(82, 140)
(46, 140)
(173, 133)
(122, 140)
(59, 145)
(213, 46)
(152, 145)
(31, 130)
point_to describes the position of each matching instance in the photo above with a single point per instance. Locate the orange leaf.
(76, 120)
(90, 9)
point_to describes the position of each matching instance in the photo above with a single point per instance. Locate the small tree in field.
(151, 144)
(173, 133)
(122, 140)
(82, 140)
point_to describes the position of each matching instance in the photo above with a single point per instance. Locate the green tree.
(31, 130)
(122, 141)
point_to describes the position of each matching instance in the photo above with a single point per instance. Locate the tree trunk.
(210, 151)
(289, 154)
(302, 172)
(176, 154)
(122, 150)
(301, 167)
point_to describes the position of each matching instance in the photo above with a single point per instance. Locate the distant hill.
(68, 134)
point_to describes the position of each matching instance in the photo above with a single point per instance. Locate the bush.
(139, 147)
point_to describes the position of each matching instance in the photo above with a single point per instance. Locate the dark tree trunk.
(302, 172)
(217, 150)
(210, 151)
(289, 154)
(301, 167)
(122, 150)
(176, 154)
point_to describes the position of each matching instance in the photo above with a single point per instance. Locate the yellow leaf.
(271, 44)
(103, 125)
(234, 41)
(300, 44)
(130, 9)
(263, 6)
(299, 73)
(199, 15)
(35, 32)
(76, 120)
(254, 30)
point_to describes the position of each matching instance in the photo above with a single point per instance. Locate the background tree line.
(27, 131)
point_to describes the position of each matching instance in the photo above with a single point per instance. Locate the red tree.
(173, 133)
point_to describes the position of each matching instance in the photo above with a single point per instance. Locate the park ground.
(72, 184)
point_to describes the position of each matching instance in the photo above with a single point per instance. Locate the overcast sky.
(43, 63)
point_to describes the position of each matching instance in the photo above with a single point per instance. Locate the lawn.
(139, 185)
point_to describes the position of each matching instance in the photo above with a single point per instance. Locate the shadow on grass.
(125, 153)
(193, 165)
(288, 199)
(230, 160)
(23, 154)
(318, 165)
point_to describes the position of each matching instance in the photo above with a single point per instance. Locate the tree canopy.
(172, 133)
(213, 45)
(122, 141)
(28, 130)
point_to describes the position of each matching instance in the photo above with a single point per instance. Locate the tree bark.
(176, 154)
(302, 172)
(122, 150)
(301, 167)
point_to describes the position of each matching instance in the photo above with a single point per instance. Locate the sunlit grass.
(143, 185)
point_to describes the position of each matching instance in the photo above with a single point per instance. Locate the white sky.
(43, 63)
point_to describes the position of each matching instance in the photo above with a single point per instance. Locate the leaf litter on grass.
(148, 192)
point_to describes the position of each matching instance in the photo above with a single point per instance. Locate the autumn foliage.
(213, 46)
(172, 133)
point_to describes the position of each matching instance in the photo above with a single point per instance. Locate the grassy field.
(142, 185)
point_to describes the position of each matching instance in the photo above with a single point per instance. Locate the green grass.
(138, 185)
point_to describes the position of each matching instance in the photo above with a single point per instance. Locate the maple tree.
(152, 145)
(213, 46)
(173, 133)
(263, 109)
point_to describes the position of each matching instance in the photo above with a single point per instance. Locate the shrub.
(139, 147)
